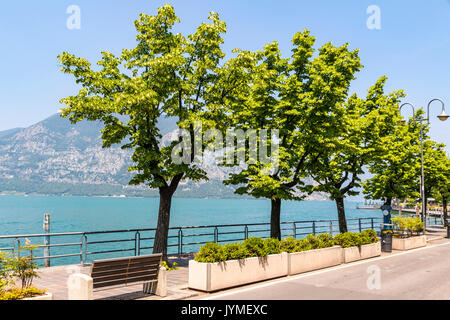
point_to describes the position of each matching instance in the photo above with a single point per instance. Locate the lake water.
(24, 215)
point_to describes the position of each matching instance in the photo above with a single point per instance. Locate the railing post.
(246, 232)
(137, 244)
(18, 246)
(371, 223)
(216, 234)
(46, 240)
(314, 227)
(85, 248)
(81, 250)
(331, 227)
(180, 241)
(360, 227)
(294, 230)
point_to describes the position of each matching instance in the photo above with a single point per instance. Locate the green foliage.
(352, 239)
(17, 293)
(6, 278)
(408, 226)
(169, 266)
(368, 236)
(165, 75)
(363, 122)
(23, 267)
(235, 251)
(272, 246)
(348, 239)
(288, 244)
(311, 242)
(255, 247)
(210, 252)
(19, 267)
(325, 240)
(396, 165)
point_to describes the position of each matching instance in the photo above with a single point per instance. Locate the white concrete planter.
(362, 252)
(409, 243)
(220, 275)
(305, 261)
(47, 296)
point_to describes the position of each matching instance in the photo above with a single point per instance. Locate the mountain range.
(55, 157)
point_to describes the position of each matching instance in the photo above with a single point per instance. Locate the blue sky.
(412, 47)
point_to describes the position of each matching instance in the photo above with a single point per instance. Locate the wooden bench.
(118, 272)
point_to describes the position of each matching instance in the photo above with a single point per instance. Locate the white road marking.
(313, 273)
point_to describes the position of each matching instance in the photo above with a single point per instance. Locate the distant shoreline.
(154, 197)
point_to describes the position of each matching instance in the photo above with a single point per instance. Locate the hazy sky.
(412, 47)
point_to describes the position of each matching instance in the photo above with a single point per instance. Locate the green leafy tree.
(442, 192)
(436, 171)
(395, 166)
(297, 96)
(165, 75)
(363, 122)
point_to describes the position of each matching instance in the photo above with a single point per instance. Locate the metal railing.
(113, 243)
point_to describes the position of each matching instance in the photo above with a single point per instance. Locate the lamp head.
(443, 116)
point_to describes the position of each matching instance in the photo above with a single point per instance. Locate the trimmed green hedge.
(257, 247)
(351, 239)
(408, 226)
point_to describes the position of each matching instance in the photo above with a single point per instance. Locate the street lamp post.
(442, 116)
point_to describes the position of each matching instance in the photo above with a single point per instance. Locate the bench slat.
(123, 270)
(123, 281)
(143, 259)
(124, 265)
(129, 276)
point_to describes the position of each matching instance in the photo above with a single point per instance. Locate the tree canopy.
(165, 75)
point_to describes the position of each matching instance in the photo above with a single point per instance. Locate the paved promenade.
(54, 279)
(416, 274)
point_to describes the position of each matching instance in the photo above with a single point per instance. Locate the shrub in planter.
(289, 244)
(368, 236)
(234, 251)
(347, 239)
(311, 242)
(255, 247)
(22, 268)
(325, 240)
(357, 246)
(408, 226)
(210, 252)
(18, 293)
(272, 246)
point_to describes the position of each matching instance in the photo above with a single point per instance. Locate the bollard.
(80, 287)
(158, 288)
(46, 240)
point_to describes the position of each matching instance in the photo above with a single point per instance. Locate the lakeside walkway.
(54, 279)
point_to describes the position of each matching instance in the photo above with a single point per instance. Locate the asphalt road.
(416, 274)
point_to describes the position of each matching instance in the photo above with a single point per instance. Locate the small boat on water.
(369, 205)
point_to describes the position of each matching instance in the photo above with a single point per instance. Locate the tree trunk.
(162, 229)
(425, 208)
(341, 215)
(388, 201)
(275, 213)
(444, 208)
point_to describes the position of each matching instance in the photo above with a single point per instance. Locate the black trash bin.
(386, 240)
(448, 231)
